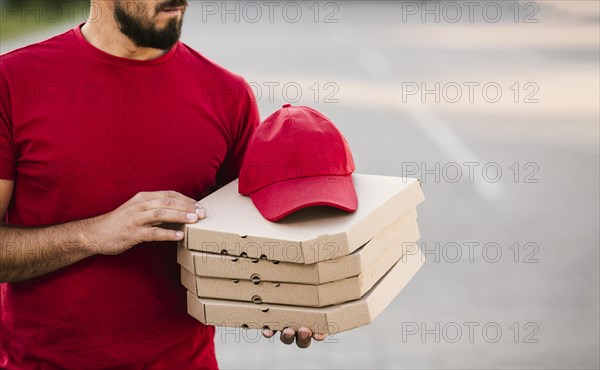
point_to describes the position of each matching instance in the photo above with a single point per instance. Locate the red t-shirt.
(81, 132)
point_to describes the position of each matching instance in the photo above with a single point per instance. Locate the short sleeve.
(8, 159)
(247, 121)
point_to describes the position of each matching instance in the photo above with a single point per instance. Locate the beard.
(139, 28)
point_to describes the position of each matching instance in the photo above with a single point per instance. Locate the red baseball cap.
(297, 158)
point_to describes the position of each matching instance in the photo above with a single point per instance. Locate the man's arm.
(28, 253)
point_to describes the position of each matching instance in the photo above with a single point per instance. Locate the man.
(107, 133)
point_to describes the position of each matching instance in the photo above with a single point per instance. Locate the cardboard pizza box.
(234, 226)
(321, 295)
(327, 320)
(256, 269)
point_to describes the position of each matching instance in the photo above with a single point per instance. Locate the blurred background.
(493, 105)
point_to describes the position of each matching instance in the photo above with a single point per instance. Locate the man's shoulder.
(209, 68)
(37, 52)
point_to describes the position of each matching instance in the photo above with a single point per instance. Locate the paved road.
(518, 93)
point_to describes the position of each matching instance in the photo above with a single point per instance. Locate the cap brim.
(278, 200)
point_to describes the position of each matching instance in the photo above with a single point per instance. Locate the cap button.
(286, 105)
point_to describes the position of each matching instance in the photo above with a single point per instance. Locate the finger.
(287, 336)
(303, 337)
(174, 204)
(200, 211)
(169, 203)
(176, 195)
(162, 215)
(268, 333)
(169, 194)
(319, 337)
(152, 234)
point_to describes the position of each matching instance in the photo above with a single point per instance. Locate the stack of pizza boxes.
(320, 267)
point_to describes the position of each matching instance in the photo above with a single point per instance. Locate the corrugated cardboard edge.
(393, 209)
(389, 257)
(320, 272)
(188, 280)
(328, 269)
(248, 246)
(306, 295)
(365, 311)
(329, 320)
(321, 248)
(202, 263)
(196, 308)
(326, 247)
(185, 259)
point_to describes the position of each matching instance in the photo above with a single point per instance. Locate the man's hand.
(59, 246)
(303, 336)
(139, 219)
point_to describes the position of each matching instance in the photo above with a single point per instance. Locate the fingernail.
(179, 234)
(192, 217)
(201, 212)
(303, 335)
(198, 205)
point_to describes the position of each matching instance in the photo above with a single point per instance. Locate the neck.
(103, 33)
